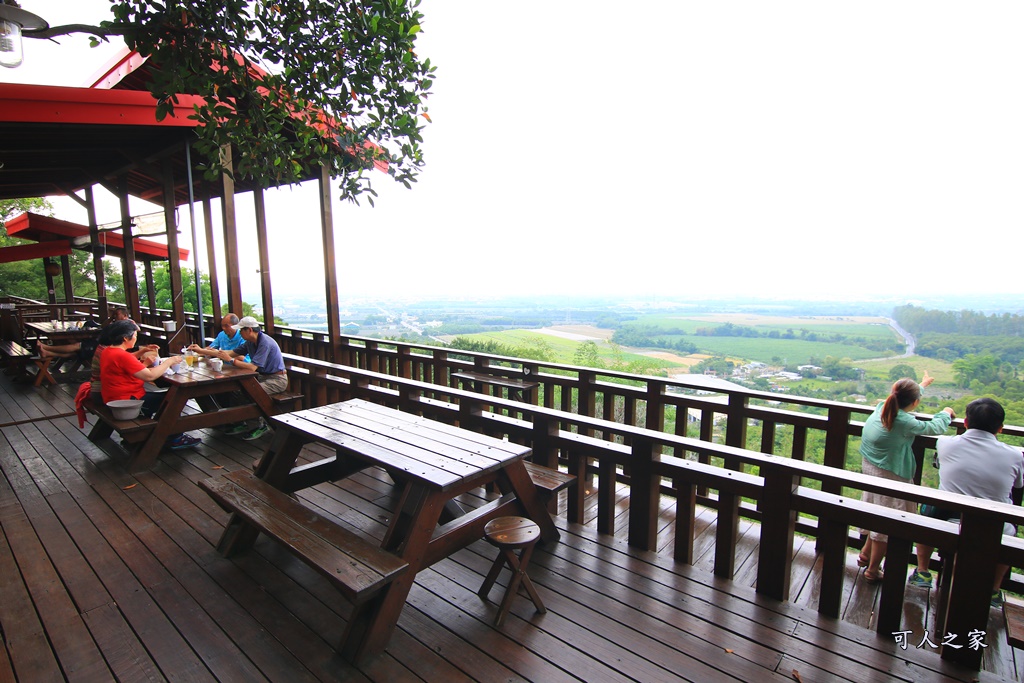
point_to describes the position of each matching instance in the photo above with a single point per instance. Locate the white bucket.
(170, 326)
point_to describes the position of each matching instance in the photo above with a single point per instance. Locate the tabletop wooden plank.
(458, 432)
(419, 436)
(203, 374)
(377, 454)
(414, 448)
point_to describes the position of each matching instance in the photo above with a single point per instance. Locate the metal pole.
(195, 251)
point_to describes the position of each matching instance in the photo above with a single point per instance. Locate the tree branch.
(68, 29)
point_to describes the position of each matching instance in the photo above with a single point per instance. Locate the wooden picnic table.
(431, 464)
(202, 384)
(61, 334)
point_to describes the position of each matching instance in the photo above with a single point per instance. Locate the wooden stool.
(507, 534)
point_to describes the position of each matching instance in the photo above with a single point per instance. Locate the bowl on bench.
(125, 410)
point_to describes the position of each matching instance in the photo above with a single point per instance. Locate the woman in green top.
(886, 450)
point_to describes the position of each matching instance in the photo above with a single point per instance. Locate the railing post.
(585, 402)
(372, 360)
(729, 503)
(655, 405)
(974, 567)
(607, 476)
(836, 441)
(686, 509)
(890, 605)
(832, 540)
(736, 426)
(404, 362)
(778, 519)
(644, 496)
(442, 371)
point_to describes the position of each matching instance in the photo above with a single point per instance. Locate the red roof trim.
(115, 70)
(32, 226)
(26, 252)
(55, 104)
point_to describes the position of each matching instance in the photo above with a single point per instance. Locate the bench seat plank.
(131, 431)
(548, 480)
(1014, 614)
(356, 567)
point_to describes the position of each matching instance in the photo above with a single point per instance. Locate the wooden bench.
(360, 570)
(133, 432)
(18, 358)
(515, 387)
(286, 402)
(1013, 613)
(548, 481)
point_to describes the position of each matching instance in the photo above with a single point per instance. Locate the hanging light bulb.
(13, 22)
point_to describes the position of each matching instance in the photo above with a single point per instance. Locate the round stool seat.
(512, 532)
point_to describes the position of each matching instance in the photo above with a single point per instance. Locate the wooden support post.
(264, 251)
(890, 605)
(644, 495)
(227, 206)
(578, 492)
(180, 337)
(778, 519)
(799, 442)
(973, 574)
(97, 255)
(606, 474)
(686, 516)
(330, 266)
(655, 405)
(65, 273)
(767, 437)
(726, 534)
(150, 292)
(585, 402)
(51, 291)
(836, 439)
(131, 282)
(832, 546)
(212, 256)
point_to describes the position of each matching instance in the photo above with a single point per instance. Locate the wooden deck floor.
(110, 576)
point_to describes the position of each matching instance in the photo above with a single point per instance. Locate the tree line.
(650, 336)
(918, 320)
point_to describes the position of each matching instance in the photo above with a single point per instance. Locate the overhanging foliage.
(290, 84)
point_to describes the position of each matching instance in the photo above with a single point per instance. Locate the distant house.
(753, 368)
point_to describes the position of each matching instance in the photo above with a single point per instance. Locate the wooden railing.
(655, 463)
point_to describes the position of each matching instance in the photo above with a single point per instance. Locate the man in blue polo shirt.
(264, 357)
(228, 339)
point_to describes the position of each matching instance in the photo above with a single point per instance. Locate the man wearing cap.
(264, 357)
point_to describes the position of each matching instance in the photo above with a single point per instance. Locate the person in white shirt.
(975, 464)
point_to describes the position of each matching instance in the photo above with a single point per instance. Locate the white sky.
(679, 149)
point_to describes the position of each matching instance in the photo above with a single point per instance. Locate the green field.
(564, 350)
(796, 351)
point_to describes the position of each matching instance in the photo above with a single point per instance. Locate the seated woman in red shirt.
(123, 376)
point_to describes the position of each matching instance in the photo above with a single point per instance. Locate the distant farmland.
(813, 337)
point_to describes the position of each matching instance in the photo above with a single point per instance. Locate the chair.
(508, 534)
